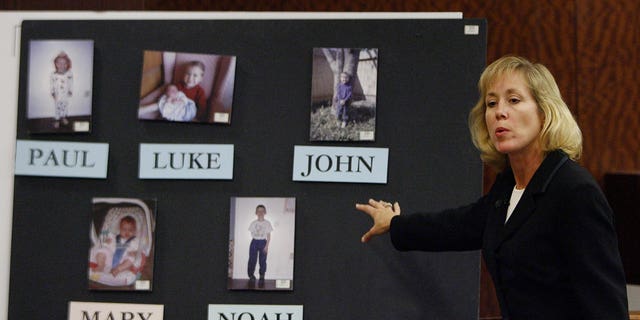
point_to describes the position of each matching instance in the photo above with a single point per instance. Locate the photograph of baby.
(186, 87)
(261, 243)
(343, 94)
(60, 85)
(121, 251)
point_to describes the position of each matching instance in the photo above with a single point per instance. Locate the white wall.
(368, 75)
(9, 59)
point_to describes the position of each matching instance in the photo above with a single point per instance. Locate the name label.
(186, 161)
(61, 159)
(340, 164)
(254, 312)
(114, 311)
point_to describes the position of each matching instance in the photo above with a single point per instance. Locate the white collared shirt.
(516, 194)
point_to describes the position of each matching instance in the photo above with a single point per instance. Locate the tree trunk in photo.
(344, 60)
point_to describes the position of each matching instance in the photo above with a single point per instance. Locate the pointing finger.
(365, 208)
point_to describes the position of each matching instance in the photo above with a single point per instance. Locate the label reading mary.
(114, 311)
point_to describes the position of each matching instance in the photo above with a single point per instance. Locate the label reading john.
(340, 164)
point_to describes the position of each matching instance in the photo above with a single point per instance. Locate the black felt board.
(427, 76)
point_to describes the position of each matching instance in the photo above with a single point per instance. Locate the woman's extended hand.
(381, 212)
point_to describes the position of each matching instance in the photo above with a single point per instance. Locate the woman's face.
(513, 118)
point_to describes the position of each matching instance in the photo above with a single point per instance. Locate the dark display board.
(427, 74)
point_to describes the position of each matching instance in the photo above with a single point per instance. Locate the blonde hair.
(560, 130)
(195, 63)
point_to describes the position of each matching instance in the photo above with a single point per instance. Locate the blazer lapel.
(527, 204)
(495, 220)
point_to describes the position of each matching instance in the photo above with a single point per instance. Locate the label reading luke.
(186, 161)
(62, 159)
(340, 164)
(114, 311)
(254, 312)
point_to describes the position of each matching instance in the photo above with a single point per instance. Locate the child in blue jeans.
(261, 233)
(343, 98)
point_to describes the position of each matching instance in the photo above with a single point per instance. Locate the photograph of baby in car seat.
(121, 251)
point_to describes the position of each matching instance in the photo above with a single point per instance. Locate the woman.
(545, 228)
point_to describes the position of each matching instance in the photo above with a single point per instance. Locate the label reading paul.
(186, 161)
(113, 311)
(62, 159)
(340, 164)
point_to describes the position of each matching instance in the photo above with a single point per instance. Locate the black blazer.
(555, 258)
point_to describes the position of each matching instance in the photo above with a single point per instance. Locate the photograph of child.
(175, 106)
(121, 251)
(60, 85)
(261, 243)
(186, 87)
(343, 94)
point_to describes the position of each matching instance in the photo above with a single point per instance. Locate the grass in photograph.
(326, 127)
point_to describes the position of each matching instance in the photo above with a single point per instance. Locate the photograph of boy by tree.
(343, 94)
